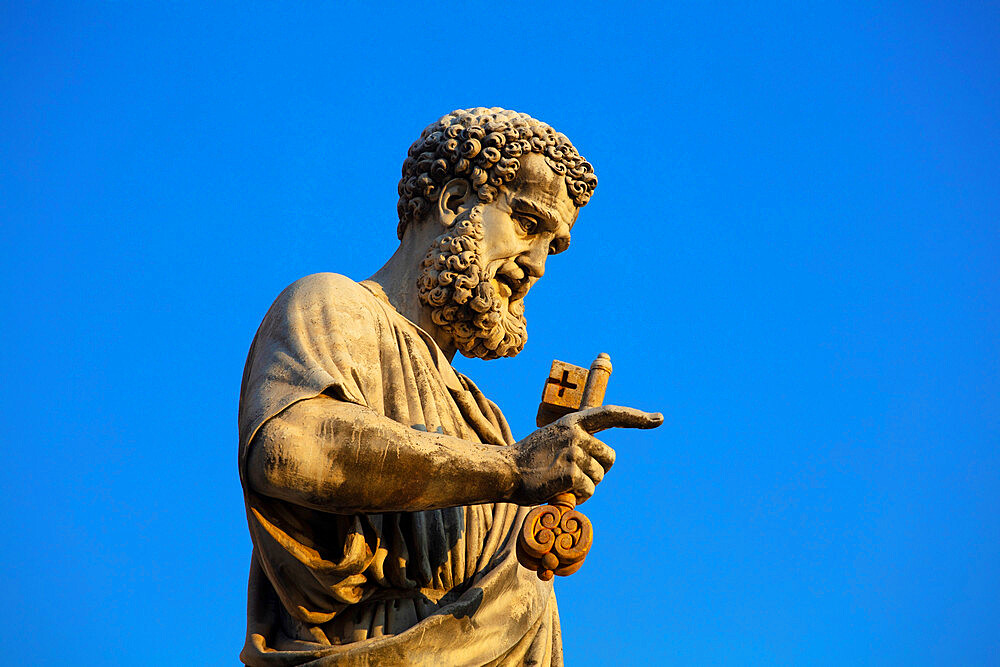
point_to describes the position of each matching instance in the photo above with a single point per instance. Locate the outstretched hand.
(565, 456)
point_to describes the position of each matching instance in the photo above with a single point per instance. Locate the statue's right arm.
(341, 457)
(337, 456)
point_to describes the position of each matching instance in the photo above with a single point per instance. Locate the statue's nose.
(533, 261)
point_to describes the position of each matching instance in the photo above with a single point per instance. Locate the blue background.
(792, 254)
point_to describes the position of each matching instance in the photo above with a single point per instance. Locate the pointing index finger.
(604, 417)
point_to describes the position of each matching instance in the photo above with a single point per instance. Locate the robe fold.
(436, 587)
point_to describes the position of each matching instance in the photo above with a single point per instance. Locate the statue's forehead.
(537, 183)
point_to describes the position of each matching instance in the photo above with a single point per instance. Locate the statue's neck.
(398, 280)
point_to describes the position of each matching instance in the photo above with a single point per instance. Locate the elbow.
(275, 460)
(266, 470)
(282, 463)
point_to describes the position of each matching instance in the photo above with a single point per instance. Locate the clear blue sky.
(792, 253)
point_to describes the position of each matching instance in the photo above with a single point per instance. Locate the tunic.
(431, 587)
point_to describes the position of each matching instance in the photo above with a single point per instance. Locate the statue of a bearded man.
(383, 490)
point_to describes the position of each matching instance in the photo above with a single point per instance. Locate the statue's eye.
(528, 223)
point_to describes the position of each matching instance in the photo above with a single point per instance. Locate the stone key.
(555, 538)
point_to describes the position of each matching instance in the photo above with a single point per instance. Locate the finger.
(616, 416)
(592, 469)
(599, 451)
(583, 489)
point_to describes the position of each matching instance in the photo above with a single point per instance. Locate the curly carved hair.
(483, 146)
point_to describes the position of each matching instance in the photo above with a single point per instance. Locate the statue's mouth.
(511, 288)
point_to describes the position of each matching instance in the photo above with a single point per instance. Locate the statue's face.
(523, 226)
(475, 276)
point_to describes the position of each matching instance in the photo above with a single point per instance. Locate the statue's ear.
(456, 198)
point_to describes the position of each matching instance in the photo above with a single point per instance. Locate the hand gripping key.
(555, 538)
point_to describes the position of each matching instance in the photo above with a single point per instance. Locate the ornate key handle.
(555, 538)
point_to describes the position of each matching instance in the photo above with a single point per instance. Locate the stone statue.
(383, 490)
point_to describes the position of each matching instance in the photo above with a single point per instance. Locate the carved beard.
(460, 293)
